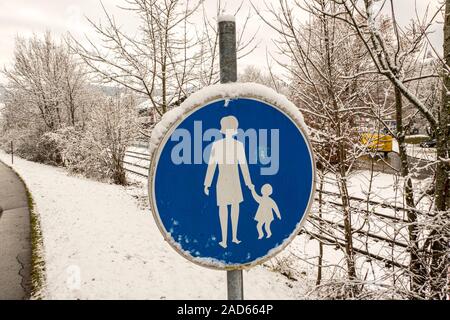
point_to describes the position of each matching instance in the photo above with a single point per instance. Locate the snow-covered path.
(100, 245)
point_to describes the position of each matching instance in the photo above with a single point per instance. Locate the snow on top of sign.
(226, 17)
(228, 91)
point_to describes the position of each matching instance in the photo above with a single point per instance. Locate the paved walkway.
(15, 242)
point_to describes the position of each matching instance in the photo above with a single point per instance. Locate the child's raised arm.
(255, 195)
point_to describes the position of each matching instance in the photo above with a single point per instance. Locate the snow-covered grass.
(100, 243)
(38, 272)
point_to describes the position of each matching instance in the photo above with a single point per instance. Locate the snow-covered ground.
(300, 258)
(100, 243)
(416, 151)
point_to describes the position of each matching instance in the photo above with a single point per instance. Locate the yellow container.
(377, 142)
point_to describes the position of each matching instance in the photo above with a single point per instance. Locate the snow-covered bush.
(99, 149)
(48, 149)
(33, 145)
(77, 153)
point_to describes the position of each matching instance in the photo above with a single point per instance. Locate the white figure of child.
(264, 214)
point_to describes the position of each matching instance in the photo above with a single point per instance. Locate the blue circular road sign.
(232, 175)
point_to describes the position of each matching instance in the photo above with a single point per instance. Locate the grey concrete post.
(228, 73)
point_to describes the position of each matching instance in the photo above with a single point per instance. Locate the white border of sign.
(170, 121)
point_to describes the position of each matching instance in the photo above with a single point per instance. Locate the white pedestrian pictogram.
(228, 155)
(264, 214)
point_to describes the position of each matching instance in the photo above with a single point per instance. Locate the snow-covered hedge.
(94, 147)
(33, 145)
(98, 150)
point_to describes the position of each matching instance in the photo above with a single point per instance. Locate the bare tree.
(338, 62)
(169, 58)
(440, 244)
(158, 62)
(392, 53)
(389, 61)
(46, 91)
(48, 78)
(323, 54)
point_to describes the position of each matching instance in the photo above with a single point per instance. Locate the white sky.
(25, 17)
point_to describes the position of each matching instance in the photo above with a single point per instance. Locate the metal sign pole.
(227, 51)
(228, 73)
(235, 284)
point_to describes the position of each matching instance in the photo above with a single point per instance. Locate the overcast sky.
(25, 17)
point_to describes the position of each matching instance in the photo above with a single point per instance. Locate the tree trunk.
(415, 266)
(348, 235)
(442, 134)
(350, 255)
(439, 244)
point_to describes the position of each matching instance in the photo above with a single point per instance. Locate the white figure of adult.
(228, 155)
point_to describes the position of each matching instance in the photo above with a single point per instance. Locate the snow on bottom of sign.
(222, 264)
(211, 262)
(227, 91)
